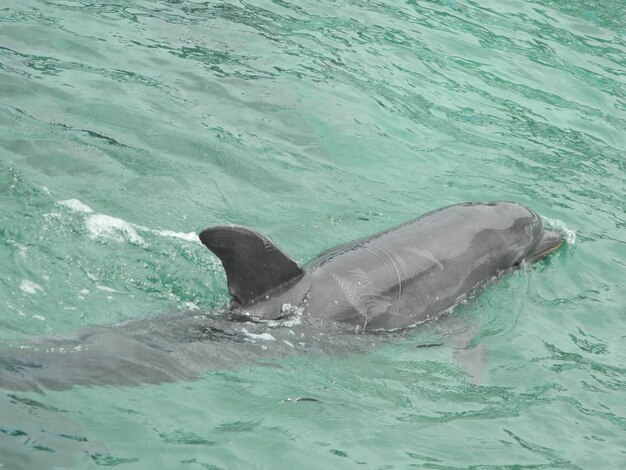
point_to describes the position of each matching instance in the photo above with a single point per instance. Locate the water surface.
(128, 126)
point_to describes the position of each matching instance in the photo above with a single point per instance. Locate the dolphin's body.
(390, 281)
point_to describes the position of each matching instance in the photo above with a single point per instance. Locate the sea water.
(126, 127)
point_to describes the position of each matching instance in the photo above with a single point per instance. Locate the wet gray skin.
(389, 281)
(408, 274)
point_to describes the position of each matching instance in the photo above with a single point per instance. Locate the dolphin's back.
(409, 273)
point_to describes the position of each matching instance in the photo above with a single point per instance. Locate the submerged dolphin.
(389, 281)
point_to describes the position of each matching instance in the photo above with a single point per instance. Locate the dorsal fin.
(254, 265)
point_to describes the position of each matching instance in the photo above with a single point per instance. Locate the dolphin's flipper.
(254, 265)
(473, 359)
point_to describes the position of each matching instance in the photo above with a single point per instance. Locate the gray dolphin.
(394, 279)
(382, 284)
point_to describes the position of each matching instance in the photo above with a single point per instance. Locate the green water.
(127, 126)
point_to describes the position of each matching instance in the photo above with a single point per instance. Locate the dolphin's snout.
(550, 242)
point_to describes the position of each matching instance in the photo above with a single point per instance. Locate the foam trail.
(105, 226)
(102, 226)
(190, 237)
(76, 206)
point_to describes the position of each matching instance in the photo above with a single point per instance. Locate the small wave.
(190, 306)
(102, 226)
(76, 206)
(558, 225)
(112, 228)
(105, 289)
(291, 316)
(190, 237)
(30, 287)
(255, 336)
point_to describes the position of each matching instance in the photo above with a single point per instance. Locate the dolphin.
(350, 298)
(397, 278)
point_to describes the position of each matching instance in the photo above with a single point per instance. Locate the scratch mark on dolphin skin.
(424, 253)
(395, 266)
(367, 300)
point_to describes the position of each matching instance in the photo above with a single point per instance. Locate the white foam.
(190, 237)
(102, 226)
(76, 206)
(29, 287)
(293, 318)
(106, 289)
(558, 225)
(39, 317)
(190, 306)
(112, 228)
(261, 336)
(22, 249)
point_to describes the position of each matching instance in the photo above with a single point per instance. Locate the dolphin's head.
(548, 243)
(542, 242)
(519, 229)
